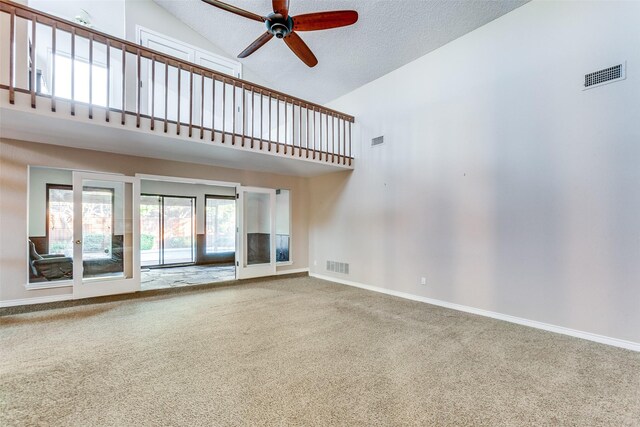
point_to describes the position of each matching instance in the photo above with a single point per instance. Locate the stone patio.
(173, 277)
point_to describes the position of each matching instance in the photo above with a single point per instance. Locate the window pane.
(283, 225)
(81, 76)
(178, 230)
(257, 219)
(61, 221)
(221, 225)
(97, 224)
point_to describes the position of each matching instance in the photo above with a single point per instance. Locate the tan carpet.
(302, 352)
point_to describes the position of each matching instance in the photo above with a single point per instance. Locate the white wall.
(502, 182)
(149, 15)
(105, 15)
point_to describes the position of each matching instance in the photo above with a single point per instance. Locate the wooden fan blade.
(260, 41)
(324, 20)
(236, 10)
(301, 49)
(281, 7)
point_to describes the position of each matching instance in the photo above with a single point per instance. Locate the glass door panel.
(99, 224)
(150, 230)
(105, 238)
(60, 219)
(258, 232)
(257, 217)
(167, 230)
(178, 230)
(220, 224)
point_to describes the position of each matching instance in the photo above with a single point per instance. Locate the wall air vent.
(605, 76)
(338, 267)
(377, 141)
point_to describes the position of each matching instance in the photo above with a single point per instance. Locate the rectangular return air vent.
(338, 267)
(379, 140)
(604, 76)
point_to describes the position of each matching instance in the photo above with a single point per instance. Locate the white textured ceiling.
(388, 34)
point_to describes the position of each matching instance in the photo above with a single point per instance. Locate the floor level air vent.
(338, 267)
(379, 140)
(604, 76)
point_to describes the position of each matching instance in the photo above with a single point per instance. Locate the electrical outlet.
(423, 280)
(315, 263)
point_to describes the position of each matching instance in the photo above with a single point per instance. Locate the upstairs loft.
(67, 84)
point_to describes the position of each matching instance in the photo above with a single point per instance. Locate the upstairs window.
(62, 76)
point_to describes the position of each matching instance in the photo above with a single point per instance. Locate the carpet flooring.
(301, 351)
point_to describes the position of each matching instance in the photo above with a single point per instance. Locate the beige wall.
(15, 156)
(500, 181)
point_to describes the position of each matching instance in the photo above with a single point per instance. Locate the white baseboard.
(294, 271)
(35, 300)
(629, 345)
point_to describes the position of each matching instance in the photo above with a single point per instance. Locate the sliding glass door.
(167, 230)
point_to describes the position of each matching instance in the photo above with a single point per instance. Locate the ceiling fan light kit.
(283, 26)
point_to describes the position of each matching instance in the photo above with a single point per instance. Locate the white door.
(186, 52)
(170, 91)
(106, 256)
(256, 254)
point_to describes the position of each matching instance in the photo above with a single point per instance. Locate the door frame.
(257, 270)
(100, 287)
(183, 180)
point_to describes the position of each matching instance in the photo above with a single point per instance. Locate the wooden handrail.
(303, 120)
(115, 42)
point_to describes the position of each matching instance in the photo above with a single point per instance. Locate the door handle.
(77, 242)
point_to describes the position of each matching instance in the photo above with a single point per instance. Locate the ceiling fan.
(283, 26)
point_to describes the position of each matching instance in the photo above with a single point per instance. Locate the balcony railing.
(44, 56)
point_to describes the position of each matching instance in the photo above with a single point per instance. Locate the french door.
(105, 234)
(256, 255)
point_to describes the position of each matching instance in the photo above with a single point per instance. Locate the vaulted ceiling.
(388, 34)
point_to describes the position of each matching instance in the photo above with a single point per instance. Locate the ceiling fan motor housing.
(279, 26)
